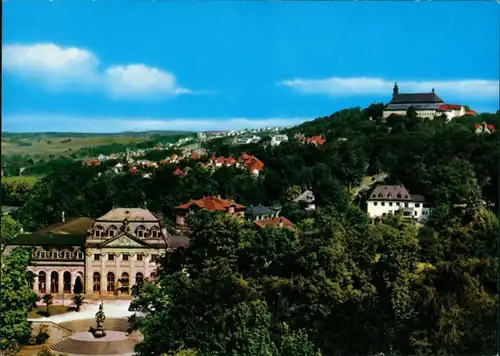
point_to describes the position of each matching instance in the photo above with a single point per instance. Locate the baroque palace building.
(106, 256)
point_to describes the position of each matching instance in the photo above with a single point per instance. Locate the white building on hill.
(388, 199)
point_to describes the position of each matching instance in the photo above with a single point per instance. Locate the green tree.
(16, 300)
(48, 300)
(10, 228)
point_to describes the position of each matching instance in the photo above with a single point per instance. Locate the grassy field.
(41, 311)
(60, 145)
(30, 180)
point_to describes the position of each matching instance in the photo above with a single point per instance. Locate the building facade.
(106, 256)
(426, 105)
(389, 199)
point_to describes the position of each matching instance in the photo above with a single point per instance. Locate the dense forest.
(336, 285)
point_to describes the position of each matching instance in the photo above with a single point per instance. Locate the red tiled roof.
(211, 203)
(256, 165)
(212, 158)
(445, 107)
(471, 112)
(277, 222)
(220, 160)
(178, 172)
(230, 160)
(491, 127)
(316, 139)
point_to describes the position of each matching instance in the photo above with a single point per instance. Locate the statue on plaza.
(99, 319)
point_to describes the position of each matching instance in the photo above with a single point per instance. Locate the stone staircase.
(80, 347)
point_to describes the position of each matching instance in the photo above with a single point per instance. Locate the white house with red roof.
(484, 128)
(389, 199)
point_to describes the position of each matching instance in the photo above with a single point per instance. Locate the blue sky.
(109, 66)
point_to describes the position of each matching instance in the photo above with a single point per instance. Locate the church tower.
(395, 90)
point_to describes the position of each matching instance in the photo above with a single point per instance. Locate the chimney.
(62, 217)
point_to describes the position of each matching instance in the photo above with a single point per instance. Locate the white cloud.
(61, 123)
(50, 64)
(138, 79)
(60, 68)
(339, 87)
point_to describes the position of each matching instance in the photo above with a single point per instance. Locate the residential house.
(307, 199)
(279, 222)
(389, 199)
(259, 212)
(277, 140)
(315, 140)
(212, 203)
(484, 128)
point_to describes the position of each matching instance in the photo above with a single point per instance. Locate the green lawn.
(31, 180)
(41, 311)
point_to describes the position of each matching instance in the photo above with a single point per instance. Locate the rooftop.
(415, 98)
(211, 203)
(131, 214)
(276, 222)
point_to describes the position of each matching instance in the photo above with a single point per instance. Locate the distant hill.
(45, 144)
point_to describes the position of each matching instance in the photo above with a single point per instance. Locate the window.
(140, 231)
(154, 258)
(79, 255)
(124, 257)
(112, 230)
(415, 213)
(383, 204)
(67, 254)
(43, 254)
(417, 205)
(139, 257)
(96, 286)
(54, 254)
(111, 257)
(97, 257)
(390, 203)
(111, 282)
(154, 233)
(375, 203)
(398, 204)
(139, 278)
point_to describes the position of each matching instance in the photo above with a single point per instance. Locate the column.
(72, 281)
(35, 282)
(103, 275)
(118, 274)
(60, 288)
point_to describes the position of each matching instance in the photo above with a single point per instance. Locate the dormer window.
(399, 195)
(112, 231)
(154, 233)
(98, 231)
(406, 196)
(389, 196)
(54, 254)
(67, 254)
(140, 231)
(380, 195)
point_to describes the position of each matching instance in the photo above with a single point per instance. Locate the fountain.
(99, 332)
